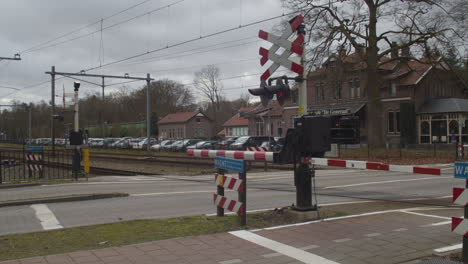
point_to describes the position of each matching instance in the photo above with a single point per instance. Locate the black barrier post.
(220, 191)
(243, 196)
(76, 163)
(303, 180)
(1, 168)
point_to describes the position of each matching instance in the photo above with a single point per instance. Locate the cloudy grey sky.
(30, 27)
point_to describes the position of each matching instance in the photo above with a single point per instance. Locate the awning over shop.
(444, 105)
(337, 111)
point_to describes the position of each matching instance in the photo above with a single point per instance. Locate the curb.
(62, 199)
(10, 186)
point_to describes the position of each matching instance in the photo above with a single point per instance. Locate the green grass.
(130, 232)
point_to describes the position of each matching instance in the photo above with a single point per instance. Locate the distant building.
(421, 102)
(185, 125)
(237, 125)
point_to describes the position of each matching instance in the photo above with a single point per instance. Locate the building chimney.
(405, 51)
(394, 51)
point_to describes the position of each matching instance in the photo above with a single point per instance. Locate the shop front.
(443, 121)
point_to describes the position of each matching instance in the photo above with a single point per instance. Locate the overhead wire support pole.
(148, 112)
(52, 123)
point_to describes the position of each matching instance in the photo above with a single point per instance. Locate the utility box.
(315, 132)
(76, 138)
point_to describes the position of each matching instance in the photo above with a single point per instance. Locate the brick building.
(411, 91)
(185, 125)
(237, 125)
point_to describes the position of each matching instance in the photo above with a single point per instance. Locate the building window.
(393, 121)
(279, 126)
(425, 132)
(198, 120)
(351, 89)
(393, 89)
(259, 125)
(357, 86)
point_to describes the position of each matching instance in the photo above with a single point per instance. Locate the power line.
(190, 41)
(84, 27)
(104, 28)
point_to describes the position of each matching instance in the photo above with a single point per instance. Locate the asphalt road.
(167, 196)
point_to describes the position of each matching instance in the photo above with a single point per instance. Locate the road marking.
(449, 248)
(232, 261)
(284, 249)
(400, 230)
(168, 193)
(352, 202)
(46, 217)
(428, 215)
(437, 224)
(381, 182)
(342, 240)
(272, 255)
(373, 234)
(309, 247)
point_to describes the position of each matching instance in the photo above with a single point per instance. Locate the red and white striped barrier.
(460, 225)
(33, 159)
(242, 155)
(229, 182)
(231, 205)
(263, 149)
(352, 164)
(366, 165)
(460, 196)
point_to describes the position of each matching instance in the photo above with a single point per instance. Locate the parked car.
(247, 141)
(96, 142)
(143, 143)
(224, 144)
(162, 145)
(177, 145)
(109, 141)
(198, 145)
(189, 142)
(121, 143)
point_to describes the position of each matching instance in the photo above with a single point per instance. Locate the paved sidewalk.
(384, 237)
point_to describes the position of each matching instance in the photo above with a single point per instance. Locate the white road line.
(428, 215)
(382, 182)
(342, 240)
(449, 248)
(400, 230)
(169, 193)
(232, 261)
(284, 249)
(437, 224)
(46, 217)
(373, 234)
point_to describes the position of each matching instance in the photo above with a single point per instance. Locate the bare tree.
(207, 81)
(375, 29)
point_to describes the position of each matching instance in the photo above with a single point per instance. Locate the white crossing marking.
(284, 249)
(47, 218)
(372, 234)
(449, 248)
(428, 215)
(232, 261)
(400, 229)
(438, 224)
(342, 240)
(309, 247)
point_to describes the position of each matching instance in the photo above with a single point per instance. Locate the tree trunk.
(375, 133)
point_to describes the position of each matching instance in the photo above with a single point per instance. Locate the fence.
(17, 166)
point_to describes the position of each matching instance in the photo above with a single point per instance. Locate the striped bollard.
(460, 197)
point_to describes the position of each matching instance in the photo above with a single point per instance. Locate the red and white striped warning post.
(34, 162)
(261, 149)
(237, 184)
(460, 196)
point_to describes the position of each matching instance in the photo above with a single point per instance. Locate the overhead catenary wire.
(84, 27)
(104, 28)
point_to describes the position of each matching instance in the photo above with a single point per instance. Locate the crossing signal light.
(266, 92)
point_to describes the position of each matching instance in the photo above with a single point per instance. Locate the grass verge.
(130, 232)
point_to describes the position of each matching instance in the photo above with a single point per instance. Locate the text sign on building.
(343, 111)
(461, 170)
(229, 164)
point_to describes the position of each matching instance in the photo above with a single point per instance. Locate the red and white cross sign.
(289, 47)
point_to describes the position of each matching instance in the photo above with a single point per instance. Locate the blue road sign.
(34, 149)
(461, 170)
(229, 164)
